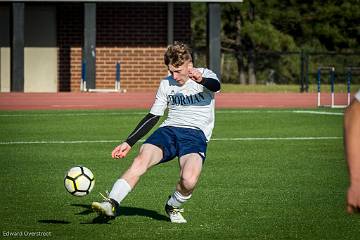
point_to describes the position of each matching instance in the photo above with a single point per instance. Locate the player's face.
(180, 74)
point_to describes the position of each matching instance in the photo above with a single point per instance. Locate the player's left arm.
(210, 83)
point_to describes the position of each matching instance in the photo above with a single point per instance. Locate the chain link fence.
(299, 68)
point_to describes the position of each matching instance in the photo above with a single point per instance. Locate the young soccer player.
(352, 149)
(188, 93)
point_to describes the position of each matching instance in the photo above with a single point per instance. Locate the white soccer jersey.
(190, 106)
(357, 95)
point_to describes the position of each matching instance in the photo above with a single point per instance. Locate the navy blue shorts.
(177, 142)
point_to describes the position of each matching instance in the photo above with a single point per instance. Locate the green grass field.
(269, 174)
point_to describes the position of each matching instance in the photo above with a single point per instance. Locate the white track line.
(71, 114)
(58, 142)
(214, 139)
(274, 138)
(321, 113)
(143, 113)
(280, 111)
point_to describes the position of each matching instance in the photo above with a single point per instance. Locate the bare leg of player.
(149, 156)
(190, 170)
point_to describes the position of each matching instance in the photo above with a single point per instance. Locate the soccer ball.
(79, 181)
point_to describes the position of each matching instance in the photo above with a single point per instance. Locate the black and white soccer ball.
(79, 181)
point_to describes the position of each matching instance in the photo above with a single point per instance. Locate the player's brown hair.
(176, 54)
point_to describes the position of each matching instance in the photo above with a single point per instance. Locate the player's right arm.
(145, 125)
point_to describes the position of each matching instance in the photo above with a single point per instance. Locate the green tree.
(318, 25)
(246, 32)
(255, 27)
(198, 36)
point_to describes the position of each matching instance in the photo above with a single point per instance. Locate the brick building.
(43, 45)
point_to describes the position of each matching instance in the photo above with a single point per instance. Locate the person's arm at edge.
(352, 151)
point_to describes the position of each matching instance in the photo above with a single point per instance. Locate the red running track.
(144, 100)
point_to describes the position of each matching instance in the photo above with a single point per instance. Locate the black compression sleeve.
(145, 125)
(211, 84)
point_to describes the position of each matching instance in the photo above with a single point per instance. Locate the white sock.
(177, 199)
(120, 190)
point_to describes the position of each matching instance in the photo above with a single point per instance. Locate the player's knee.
(188, 182)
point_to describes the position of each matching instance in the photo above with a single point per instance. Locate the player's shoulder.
(167, 81)
(166, 84)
